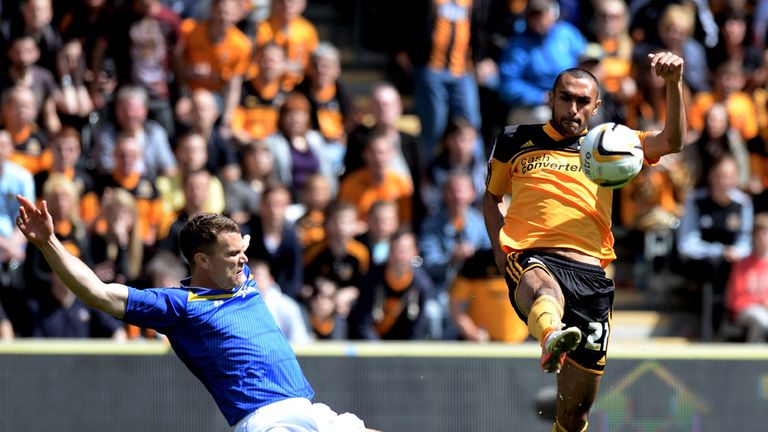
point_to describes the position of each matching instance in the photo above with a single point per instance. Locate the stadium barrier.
(82, 386)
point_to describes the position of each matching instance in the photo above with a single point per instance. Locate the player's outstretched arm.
(37, 226)
(670, 140)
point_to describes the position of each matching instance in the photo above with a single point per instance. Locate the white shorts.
(298, 415)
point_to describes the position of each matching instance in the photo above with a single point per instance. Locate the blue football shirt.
(228, 339)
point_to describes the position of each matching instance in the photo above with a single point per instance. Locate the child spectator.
(222, 157)
(714, 233)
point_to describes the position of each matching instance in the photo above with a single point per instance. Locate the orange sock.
(545, 317)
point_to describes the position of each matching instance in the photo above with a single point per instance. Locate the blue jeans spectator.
(439, 95)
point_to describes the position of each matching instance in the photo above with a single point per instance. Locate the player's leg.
(576, 392)
(538, 298)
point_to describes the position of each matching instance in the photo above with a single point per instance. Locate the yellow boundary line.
(642, 350)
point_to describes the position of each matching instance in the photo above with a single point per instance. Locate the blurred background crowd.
(350, 140)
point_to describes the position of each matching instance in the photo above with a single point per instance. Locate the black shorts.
(588, 297)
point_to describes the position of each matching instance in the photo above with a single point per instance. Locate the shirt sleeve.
(156, 307)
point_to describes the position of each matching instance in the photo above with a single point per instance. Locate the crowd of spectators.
(129, 116)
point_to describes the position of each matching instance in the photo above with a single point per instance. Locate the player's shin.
(545, 316)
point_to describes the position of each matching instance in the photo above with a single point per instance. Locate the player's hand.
(35, 223)
(667, 66)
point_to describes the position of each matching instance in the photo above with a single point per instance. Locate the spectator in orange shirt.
(287, 28)
(728, 89)
(479, 303)
(214, 55)
(377, 181)
(256, 114)
(30, 144)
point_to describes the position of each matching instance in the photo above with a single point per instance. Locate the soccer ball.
(611, 155)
